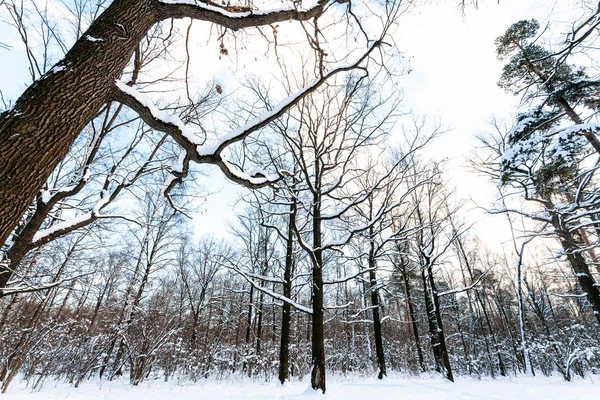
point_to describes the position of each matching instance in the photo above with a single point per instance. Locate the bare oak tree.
(36, 133)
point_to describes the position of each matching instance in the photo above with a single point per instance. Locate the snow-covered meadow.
(339, 387)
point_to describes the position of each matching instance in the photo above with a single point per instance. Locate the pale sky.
(453, 77)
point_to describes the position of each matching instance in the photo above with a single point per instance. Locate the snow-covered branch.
(27, 288)
(237, 17)
(204, 153)
(266, 291)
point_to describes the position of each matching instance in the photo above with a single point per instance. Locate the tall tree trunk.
(245, 366)
(431, 323)
(284, 346)
(440, 326)
(436, 330)
(318, 331)
(273, 317)
(411, 313)
(249, 318)
(580, 267)
(259, 322)
(365, 324)
(375, 309)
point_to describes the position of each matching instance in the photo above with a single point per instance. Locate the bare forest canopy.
(351, 250)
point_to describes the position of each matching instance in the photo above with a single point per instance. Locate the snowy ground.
(339, 388)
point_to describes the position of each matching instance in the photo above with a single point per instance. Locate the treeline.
(157, 303)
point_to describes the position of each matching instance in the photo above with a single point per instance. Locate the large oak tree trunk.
(44, 122)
